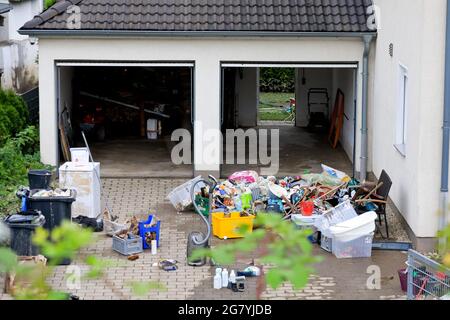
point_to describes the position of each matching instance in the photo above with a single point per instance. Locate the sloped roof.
(209, 16)
(5, 7)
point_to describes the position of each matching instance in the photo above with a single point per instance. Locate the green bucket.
(203, 204)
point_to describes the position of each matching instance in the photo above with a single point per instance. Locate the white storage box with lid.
(353, 238)
(85, 179)
(360, 247)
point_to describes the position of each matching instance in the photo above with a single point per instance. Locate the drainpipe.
(445, 128)
(367, 39)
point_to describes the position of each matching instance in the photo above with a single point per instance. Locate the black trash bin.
(22, 227)
(39, 179)
(54, 209)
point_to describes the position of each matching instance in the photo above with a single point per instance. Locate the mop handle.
(96, 175)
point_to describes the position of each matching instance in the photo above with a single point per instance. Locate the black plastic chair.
(378, 197)
(383, 192)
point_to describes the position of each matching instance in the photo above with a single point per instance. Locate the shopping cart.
(427, 279)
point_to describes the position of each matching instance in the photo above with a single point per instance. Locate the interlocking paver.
(334, 279)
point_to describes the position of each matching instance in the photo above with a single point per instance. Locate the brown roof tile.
(210, 15)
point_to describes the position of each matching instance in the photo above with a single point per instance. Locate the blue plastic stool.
(143, 230)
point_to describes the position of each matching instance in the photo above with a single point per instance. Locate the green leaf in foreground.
(143, 288)
(8, 260)
(285, 248)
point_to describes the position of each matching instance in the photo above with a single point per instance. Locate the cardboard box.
(14, 282)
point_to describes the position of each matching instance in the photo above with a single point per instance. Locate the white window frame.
(402, 110)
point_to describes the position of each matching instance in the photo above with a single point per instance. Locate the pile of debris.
(308, 194)
(331, 203)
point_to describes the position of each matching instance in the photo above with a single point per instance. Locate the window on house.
(402, 108)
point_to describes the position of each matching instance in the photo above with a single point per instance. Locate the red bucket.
(307, 208)
(403, 276)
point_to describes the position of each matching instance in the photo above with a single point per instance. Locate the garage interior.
(113, 105)
(304, 143)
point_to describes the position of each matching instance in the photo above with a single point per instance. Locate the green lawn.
(272, 116)
(274, 100)
(272, 105)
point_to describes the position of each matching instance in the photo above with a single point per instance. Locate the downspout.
(367, 39)
(445, 128)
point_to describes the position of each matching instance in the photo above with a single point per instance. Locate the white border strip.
(125, 64)
(290, 65)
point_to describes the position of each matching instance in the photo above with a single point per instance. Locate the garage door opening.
(128, 114)
(303, 117)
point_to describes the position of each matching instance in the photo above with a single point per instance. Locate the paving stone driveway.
(334, 279)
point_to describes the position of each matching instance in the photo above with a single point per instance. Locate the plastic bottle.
(154, 247)
(238, 203)
(232, 277)
(224, 278)
(217, 279)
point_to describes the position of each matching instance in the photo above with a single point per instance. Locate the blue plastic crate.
(127, 246)
(144, 228)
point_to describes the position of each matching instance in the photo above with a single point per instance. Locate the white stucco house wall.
(396, 47)
(18, 53)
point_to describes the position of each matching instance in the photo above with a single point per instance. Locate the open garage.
(318, 126)
(327, 55)
(128, 112)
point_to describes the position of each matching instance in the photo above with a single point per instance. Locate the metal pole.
(98, 178)
(365, 98)
(446, 130)
(410, 276)
(355, 117)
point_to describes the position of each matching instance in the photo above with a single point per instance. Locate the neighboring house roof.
(5, 7)
(257, 16)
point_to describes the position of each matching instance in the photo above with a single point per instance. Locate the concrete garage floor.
(138, 158)
(300, 150)
(333, 278)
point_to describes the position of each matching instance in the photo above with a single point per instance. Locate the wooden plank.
(337, 119)
(63, 140)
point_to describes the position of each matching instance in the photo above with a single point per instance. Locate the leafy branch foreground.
(282, 247)
(278, 242)
(64, 242)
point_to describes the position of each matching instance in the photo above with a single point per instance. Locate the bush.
(48, 3)
(17, 156)
(13, 115)
(277, 80)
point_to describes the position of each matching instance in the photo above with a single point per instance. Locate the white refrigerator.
(85, 179)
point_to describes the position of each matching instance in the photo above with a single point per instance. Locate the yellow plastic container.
(227, 227)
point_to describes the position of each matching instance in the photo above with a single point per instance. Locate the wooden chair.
(377, 194)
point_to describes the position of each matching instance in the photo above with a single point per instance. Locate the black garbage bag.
(95, 224)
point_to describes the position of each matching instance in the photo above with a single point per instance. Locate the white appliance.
(152, 129)
(85, 179)
(79, 155)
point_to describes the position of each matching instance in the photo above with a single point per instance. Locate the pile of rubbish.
(325, 202)
(133, 236)
(52, 193)
(309, 194)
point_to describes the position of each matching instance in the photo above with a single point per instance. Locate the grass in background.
(274, 100)
(272, 116)
(272, 106)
